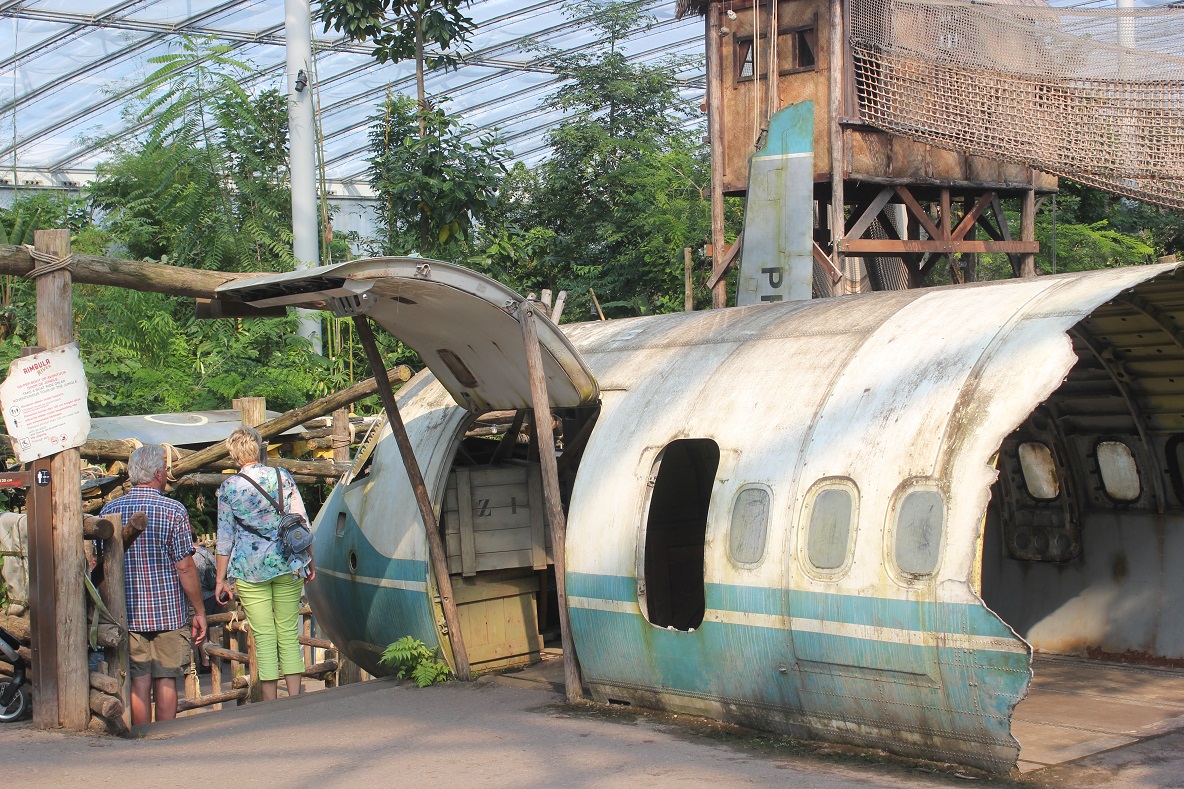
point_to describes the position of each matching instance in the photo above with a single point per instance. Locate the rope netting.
(1096, 96)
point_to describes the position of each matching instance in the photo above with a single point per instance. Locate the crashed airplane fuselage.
(848, 519)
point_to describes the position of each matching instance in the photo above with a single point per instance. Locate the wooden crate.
(499, 619)
(494, 519)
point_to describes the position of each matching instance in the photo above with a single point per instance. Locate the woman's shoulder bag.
(293, 533)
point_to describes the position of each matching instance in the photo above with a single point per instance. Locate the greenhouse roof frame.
(69, 68)
(51, 126)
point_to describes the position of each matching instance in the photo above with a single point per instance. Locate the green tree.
(622, 192)
(403, 30)
(208, 185)
(433, 186)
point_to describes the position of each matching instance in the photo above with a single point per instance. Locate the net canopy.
(1094, 95)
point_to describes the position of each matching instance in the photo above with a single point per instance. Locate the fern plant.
(409, 657)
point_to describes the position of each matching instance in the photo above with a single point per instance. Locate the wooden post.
(426, 511)
(545, 440)
(216, 667)
(1028, 232)
(114, 594)
(55, 327)
(687, 285)
(838, 222)
(715, 134)
(252, 410)
(341, 436)
(42, 601)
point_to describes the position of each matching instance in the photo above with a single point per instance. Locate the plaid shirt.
(155, 599)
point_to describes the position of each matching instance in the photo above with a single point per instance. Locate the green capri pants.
(273, 611)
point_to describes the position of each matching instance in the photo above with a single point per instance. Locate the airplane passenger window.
(920, 519)
(1040, 471)
(830, 529)
(672, 587)
(1120, 474)
(750, 526)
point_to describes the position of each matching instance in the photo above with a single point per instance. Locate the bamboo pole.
(555, 517)
(687, 285)
(426, 511)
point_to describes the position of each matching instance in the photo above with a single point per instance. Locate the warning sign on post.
(44, 403)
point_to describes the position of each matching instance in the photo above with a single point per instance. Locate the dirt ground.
(494, 733)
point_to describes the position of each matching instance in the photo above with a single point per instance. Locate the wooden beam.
(506, 445)
(42, 602)
(715, 134)
(688, 284)
(725, 265)
(1028, 233)
(971, 217)
(869, 214)
(555, 516)
(919, 213)
(130, 274)
(112, 591)
(296, 416)
(838, 221)
(426, 510)
(889, 246)
(55, 327)
(823, 259)
(1004, 232)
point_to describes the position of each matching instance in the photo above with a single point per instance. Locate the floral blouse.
(254, 558)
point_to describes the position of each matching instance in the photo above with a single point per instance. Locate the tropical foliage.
(409, 658)
(435, 179)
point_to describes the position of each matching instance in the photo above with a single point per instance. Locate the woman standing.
(250, 555)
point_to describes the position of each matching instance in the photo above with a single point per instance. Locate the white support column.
(302, 151)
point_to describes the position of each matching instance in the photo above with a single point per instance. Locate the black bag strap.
(279, 506)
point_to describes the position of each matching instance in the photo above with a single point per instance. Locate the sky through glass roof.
(69, 68)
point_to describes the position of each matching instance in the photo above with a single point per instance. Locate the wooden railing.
(230, 649)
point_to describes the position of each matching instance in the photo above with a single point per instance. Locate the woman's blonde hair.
(245, 446)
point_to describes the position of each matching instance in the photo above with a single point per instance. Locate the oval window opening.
(920, 521)
(1039, 470)
(830, 529)
(749, 527)
(1119, 472)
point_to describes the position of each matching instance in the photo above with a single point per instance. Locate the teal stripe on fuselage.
(915, 686)
(829, 607)
(357, 613)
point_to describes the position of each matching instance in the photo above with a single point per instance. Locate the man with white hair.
(162, 582)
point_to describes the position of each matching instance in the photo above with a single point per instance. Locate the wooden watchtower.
(907, 206)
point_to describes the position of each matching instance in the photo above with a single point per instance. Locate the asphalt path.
(488, 734)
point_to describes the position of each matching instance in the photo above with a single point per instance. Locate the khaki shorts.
(161, 653)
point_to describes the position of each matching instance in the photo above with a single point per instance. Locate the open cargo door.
(463, 325)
